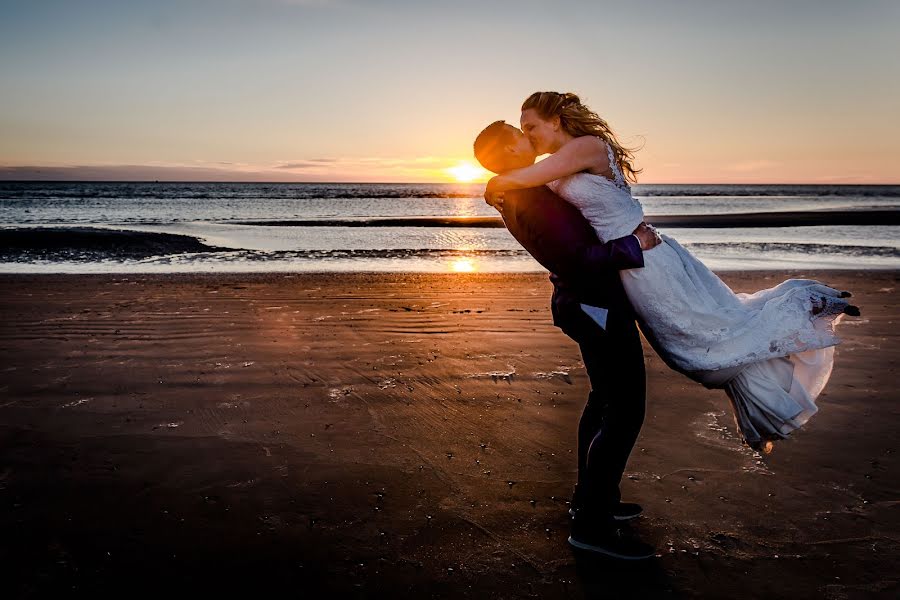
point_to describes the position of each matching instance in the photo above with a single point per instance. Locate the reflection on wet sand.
(463, 265)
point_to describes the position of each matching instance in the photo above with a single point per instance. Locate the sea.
(153, 227)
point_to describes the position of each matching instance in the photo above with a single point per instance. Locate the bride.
(771, 351)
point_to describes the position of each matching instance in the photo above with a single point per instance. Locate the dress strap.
(614, 167)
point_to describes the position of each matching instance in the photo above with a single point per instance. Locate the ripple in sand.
(243, 484)
(337, 393)
(76, 403)
(234, 404)
(496, 376)
(561, 373)
(390, 382)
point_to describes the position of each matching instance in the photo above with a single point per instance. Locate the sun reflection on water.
(462, 265)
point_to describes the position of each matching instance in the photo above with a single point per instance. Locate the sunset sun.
(466, 172)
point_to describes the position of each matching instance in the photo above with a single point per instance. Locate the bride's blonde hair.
(577, 120)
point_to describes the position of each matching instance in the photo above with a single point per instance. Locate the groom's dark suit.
(585, 271)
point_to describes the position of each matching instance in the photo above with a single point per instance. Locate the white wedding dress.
(768, 350)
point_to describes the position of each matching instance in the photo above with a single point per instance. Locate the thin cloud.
(309, 163)
(118, 173)
(367, 169)
(366, 163)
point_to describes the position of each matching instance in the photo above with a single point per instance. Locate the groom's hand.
(647, 236)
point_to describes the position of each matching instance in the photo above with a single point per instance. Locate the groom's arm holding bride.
(557, 235)
(553, 231)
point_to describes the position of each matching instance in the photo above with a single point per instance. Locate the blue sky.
(791, 91)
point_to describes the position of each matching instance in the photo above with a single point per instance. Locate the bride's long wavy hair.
(577, 120)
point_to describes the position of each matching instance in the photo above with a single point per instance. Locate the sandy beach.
(403, 435)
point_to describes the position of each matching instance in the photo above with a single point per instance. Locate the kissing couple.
(772, 351)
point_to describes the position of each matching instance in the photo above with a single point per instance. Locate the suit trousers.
(614, 412)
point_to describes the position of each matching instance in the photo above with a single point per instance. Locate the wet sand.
(378, 435)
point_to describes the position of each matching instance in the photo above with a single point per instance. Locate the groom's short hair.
(490, 145)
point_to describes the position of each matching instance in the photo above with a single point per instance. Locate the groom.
(589, 305)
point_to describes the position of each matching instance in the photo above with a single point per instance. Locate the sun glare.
(466, 172)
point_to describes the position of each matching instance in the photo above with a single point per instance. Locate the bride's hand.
(495, 199)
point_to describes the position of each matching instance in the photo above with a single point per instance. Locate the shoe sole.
(616, 517)
(604, 551)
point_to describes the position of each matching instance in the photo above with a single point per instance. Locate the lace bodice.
(607, 204)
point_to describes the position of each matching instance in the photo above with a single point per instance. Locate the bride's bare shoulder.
(593, 149)
(589, 146)
(589, 142)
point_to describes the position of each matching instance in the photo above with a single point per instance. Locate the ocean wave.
(82, 245)
(24, 191)
(238, 191)
(767, 190)
(747, 248)
(761, 219)
(761, 248)
(477, 222)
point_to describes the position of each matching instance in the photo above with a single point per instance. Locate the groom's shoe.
(624, 511)
(604, 537)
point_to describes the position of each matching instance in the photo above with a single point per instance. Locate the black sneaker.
(624, 511)
(605, 538)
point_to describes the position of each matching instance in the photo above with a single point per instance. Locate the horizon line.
(819, 183)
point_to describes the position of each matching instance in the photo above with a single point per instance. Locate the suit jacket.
(582, 269)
